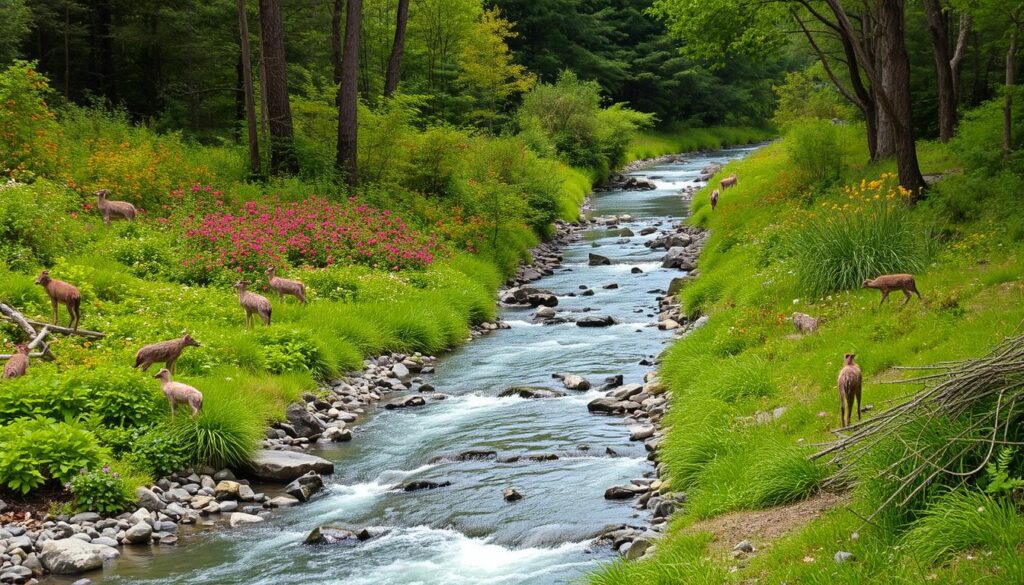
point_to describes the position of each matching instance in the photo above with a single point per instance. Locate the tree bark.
(250, 103)
(938, 30)
(886, 134)
(956, 62)
(394, 71)
(1011, 63)
(282, 147)
(348, 94)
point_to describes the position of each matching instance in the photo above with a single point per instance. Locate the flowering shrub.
(29, 134)
(100, 490)
(314, 232)
(871, 233)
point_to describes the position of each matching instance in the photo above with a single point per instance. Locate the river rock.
(622, 492)
(626, 391)
(636, 270)
(400, 371)
(606, 405)
(512, 495)
(283, 502)
(678, 240)
(71, 556)
(599, 260)
(544, 313)
(638, 547)
(574, 382)
(140, 533)
(641, 432)
(227, 490)
(530, 392)
(337, 534)
(241, 519)
(304, 423)
(545, 299)
(422, 484)
(476, 455)
(405, 402)
(284, 466)
(677, 257)
(744, 546)
(596, 321)
(303, 488)
(338, 435)
(149, 500)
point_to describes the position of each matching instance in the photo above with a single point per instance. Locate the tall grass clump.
(965, 519)
(815, 150)
(782, 474)
(873, 232)
(225, 433)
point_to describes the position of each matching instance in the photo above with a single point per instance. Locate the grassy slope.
(747, 359)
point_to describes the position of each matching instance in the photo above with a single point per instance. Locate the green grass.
(653, 143)
(747, 359)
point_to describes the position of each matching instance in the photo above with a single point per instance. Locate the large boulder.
(149, 500)
(338, 534)
(599, 260)
(284, 466)
(304, 423)
(574, 382)
(140, 533)
(303, 488)
(240, 519)
(530, 392)
(405, 402)
(70, 556)
(538, 299)
(605, 405)
(678, 257)
(596, 321)
(678, 240)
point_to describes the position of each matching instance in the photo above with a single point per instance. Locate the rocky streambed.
(523, 457)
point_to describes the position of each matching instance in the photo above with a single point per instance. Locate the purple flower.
(106, 469)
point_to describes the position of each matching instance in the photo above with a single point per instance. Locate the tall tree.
(348, 93)
(947, 63)
(397, 48)
(279, 112)
(250, 104)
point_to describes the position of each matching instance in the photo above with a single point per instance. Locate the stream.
(466, 533)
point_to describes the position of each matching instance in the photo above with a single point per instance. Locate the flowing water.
(466, 533)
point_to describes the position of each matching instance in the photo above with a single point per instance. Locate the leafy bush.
(29, 216)
(157, 451)
(292, 351)
(808, 95)
(816, 151)
(101, 490)
(33, 451)
(29, 135)
(839, 246)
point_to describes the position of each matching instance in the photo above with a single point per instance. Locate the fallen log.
(23, 322)
(26, 326)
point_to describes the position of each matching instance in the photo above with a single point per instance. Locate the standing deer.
(18, 364)
(714, 199)
(178, 393)
(285, 286)
(166, 352)
(849, 390)
(730, 181)
(252, 303)
(109, 209)
(62, 292)
(890, 282)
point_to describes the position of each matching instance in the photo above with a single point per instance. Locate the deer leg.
(74, 311)
(885, 297)
(53, 304)
(857, 396)
(906, 293)
(842, 411)
(170, 365)
(170, 403)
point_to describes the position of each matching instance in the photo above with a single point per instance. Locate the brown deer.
(890, 282)
(252, 303)
(62, 292)
(849, 390)
(110, 209)
(714, 199)
(18, 364)
(285, 286)
(178, 393)
(166, 352)
(730, 181)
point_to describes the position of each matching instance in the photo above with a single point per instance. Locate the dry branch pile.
(985, 396)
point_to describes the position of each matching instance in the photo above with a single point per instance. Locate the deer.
(252, 303)
(178, 393)
(62, 292)
(18, 364)
(890, 282)
(285, 286)
(166, 352)
(714, 199)
(849, 390)
(109, 209)
(730, 181)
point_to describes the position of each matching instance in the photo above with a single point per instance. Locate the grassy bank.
(783, 242)
(650, 144)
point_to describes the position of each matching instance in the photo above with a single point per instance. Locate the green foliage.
(999, 481)
(225, 432)
(965, 519)
(816, 151)
(33, 451)
(808, 95)
(101, 490)
(28, 138)
(29, 216)
(157, 450)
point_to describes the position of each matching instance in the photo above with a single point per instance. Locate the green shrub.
(965, 519)
(872, 235)
(816, 151)
(29, 137)
(101, 490)
(29, 216)
(33, 451)
(157, 451)
(293, 351)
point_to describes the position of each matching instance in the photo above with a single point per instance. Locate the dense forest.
(408, 162)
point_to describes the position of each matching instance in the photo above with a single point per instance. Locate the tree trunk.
(67, 50)
(939, 33)
(892, 25)
(956, 62)
(348, 93)
(394, 72)
(282, 148)
(1011, 63)
(886, 133)
(250, 103)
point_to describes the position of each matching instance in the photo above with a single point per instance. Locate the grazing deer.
(849, 390)
(166, 352)
(714, 199)
(252, 303)
(178, 393)
(109, 209)
(62, 292)
(18, 364)
(890, 282)
(730, 181)
(285, 286)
